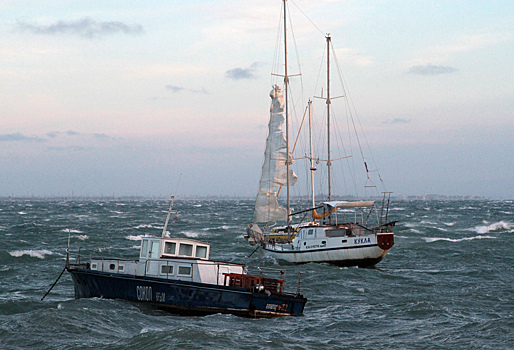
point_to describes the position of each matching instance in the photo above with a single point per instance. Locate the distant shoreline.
(215, 197)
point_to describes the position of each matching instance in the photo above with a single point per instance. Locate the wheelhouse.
(162, 248)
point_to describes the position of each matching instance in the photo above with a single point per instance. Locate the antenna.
(171, 207)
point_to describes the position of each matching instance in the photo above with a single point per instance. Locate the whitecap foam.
(69, 230)
(426, 222)
(144, 226)
(81, 237)
(449, 223)
(502, 225)
(22, 213)
(191, 234)
(35, 253)
(435, 239)
(138, 237)
(223, 227)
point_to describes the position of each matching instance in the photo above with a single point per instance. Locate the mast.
(286, 83)
(310, 155)
(168, 217)
(329, 161)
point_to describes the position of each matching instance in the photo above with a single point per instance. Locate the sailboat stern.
(254, 234)
(385, 240)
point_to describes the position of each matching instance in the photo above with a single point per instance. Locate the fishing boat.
(335, 231)
(176, 274)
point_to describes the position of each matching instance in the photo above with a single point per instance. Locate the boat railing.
(260, 283)
(249, 282)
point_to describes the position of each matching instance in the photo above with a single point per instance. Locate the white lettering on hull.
(144, 293)
(362, 240)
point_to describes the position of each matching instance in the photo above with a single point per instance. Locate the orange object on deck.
(315, 215)
(274, 285)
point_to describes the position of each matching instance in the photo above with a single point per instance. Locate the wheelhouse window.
(186, 249)
(154, 250)
(170, 248)
(144, 249)
(184, 270)
(167, 269)
(201, 251)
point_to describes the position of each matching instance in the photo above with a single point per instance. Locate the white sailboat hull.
(362, 251)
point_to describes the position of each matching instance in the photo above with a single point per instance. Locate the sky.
(101, 98)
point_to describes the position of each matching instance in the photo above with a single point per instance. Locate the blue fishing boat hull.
(184, 297)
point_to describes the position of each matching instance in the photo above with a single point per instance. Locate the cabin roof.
(345, 204)
(178, 240)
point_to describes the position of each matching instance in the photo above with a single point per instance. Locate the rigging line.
(303, 13)
(178, 183)
(341, 142)
(322, 62)
(301, 95)
(351, 114)
(352, 173)
(300, 129)
(350, 163)
(278, 45)
(295, 142)
(297, 54)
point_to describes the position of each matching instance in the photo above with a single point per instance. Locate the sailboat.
(338, 232)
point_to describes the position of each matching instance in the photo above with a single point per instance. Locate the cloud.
(86, 28)
(243, 73)
(431, 69)
(19, 137)
(54, 134)
(174, 88)
(397, 121)
(102, 136)
(69, 148)
(200, 91)
(353, 56)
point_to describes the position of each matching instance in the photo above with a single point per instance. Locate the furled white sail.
(274, 170)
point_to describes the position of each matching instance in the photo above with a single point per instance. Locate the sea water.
(447, 283)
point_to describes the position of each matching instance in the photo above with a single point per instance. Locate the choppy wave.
(435, 239)
(145, 226)
(450, 275)
(138, 237)
(71, 230)
(81, 237)
(35, 253)
(502, 225)
(222, 227)
(191, 234)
